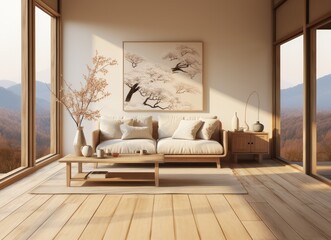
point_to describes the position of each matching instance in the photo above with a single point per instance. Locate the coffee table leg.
(80, 167)
(156, 174)
(68, 173)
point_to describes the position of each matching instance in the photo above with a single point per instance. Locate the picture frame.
(163, 76)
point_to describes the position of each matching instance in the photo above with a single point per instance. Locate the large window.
(323, 103)
(291, 101)
(10, 86)
(28, 111)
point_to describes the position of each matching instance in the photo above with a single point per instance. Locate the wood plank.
(14, 205)
(50, 228)
(275, 223)
(35, 220)
(13, 220)
(297, 222)
(101, 219)
(185, 227)
(250, 184)
(77, 223)
(205, 219)
(242, 208)
(312, 190)
(141, 223)
(296, 203)
(228, 220)
(120, 223)
(163, 219)
(25, 185)
(258, 230)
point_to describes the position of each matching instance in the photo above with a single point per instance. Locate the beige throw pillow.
(110, 129)
(130, 132)
(208, 128)
(187, 129)
(143, 121)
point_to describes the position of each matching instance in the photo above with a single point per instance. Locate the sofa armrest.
(224, 141)
(95, 139)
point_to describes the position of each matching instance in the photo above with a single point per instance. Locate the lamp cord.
(258, 108)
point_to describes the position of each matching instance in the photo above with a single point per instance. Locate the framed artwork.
(163, 76)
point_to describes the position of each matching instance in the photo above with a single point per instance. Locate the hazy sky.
(292, 59)
(10, 47)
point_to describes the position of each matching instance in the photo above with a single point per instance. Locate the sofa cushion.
(187, 129)
(110, 128)
(208, 128)
(144, 121)
(130, 132)
(128, 146)
(180, 146)
(168, 125)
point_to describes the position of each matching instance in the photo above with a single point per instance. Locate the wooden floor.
(282, 203)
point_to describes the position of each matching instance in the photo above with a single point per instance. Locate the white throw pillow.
(187, 129)
(130, 132)
(208, 128)
(110, 129)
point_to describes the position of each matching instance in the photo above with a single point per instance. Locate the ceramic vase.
(79, 141)
(235, 122)
(258, 127)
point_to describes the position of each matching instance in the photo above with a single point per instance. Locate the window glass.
(10, 86)
(43, 55)
(291, 100)
(323, 103)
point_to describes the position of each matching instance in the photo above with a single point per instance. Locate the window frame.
(28, 135)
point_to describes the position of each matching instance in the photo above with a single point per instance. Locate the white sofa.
(179, 138)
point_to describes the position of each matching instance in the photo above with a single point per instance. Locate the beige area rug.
(173, 180)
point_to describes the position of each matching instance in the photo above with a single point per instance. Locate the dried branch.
(93, 89)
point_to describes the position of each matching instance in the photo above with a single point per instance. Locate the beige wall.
(237, 39)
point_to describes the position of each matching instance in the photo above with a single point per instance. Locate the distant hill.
(292, 98)
(7, 83)
(10, 99)
(42, 90)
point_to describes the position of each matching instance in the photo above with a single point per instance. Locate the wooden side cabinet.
(249, 143)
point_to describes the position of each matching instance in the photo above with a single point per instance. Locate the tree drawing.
(186, 88)
(163, 80)
(186, 59)
(134, 59)
(143, 80)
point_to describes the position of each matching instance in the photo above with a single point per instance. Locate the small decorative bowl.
(115, 154)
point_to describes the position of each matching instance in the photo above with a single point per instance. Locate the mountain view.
(292, 120)
(10, 123)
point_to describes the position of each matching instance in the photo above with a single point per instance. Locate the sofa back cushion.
(144, 121)
(187, 129)
(110, 128)
(131, 132)
(168, 125)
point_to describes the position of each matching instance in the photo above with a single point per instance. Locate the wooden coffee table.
(113, 176)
